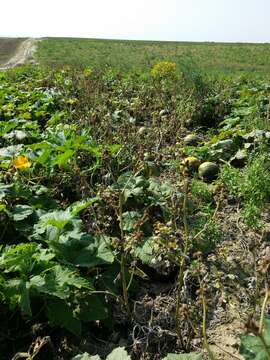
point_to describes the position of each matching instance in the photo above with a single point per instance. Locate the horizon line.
(136, 40)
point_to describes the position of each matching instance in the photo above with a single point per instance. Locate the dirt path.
(23, 54)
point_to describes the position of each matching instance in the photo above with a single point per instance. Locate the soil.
(23, 54)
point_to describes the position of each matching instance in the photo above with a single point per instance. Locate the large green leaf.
(78, 206)
(10, 151)
(145, 252)
(25, 259)
(191, 356)
(25, 298)
(130, 185)
(118, 354)
(21, 212)
(162, 189)
(59, 282)
(63, 158)
(16, 134)
(11, 291)
(16, 292)
(84, 250)
(60, 218)
(252, 347)
(60, 314)
(130, 220)
(86, 356)
(92, 308)
(15, 190)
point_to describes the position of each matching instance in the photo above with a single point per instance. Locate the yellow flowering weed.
(164, 69)
(21, 162)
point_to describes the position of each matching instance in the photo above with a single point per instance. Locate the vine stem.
(104, 293)
(228, 352)
(208, 223)
(125, 286)
(261, 324)
(206, 345)
(123, 259)
(265, 300)
(180, 279)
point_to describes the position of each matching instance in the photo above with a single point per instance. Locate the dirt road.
(23, 54)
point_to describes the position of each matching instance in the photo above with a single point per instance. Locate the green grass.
(215, 58)
(251, 186)
(8, 47)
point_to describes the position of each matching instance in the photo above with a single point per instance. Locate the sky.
(176, 20)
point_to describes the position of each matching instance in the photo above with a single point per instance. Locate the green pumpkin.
(191, 139)
(208, 171)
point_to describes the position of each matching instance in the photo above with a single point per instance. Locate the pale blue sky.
(183, 20)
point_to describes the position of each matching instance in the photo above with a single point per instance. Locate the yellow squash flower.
(21, 162)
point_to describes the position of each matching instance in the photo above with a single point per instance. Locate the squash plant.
(121, 354)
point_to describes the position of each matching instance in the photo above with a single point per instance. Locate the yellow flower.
(164, 69)
(21, 162)
(87, 72)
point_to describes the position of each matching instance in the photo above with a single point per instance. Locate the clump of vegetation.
(250, 185)
(164, 69)
(202, 192)
(109, 226)
(216, 59)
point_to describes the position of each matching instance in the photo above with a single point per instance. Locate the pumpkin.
(191, 139)
(191, 164)
(208, 171)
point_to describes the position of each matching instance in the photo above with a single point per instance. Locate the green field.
(134, 202)
(8, 47)
(214, 58)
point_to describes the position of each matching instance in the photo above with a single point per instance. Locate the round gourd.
(208, 171)
(148, 157)
(142, 130)
(191, 163)
(191, 139)
(163, 112)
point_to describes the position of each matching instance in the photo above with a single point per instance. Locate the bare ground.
(24, 54)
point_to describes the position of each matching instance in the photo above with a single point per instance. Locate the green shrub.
(201, 191)
(251, 185)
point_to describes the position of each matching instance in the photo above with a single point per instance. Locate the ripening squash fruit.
(208, 171)
(191, 139)
(163, 112)
(148, 157)
(142, 130)
(191, 164)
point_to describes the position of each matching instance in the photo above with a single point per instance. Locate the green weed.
(250, 185)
